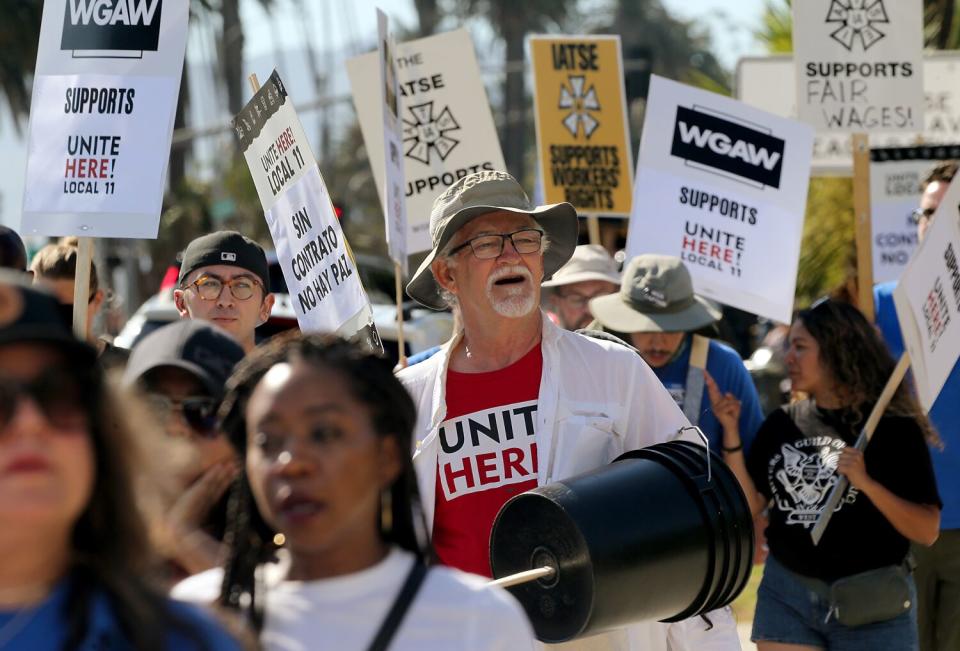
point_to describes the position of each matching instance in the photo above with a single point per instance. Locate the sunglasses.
(58, 393)
(200, 412)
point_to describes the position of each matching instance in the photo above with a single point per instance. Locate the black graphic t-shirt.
(793, 462)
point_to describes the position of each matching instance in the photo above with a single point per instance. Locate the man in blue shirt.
(657, 311)
(938, 567)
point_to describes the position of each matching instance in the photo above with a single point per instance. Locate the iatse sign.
(111, 28)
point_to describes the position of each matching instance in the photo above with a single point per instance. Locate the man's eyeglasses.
(200, 412)
(921, 214)
(58, 394)
(209, 288)
(487, 247)
(577, 300)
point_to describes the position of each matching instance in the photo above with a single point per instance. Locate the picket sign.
(862, 440)
(862, 223)
(723, 186)
(401, 354)
(580, 118)
(81, 287)
(318, 266)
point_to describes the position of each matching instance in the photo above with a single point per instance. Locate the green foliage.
(827, 253)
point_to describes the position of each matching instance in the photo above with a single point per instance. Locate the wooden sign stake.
(81, 287)
(401, 350)
(861, 215)
(865, 435)
(593, 229)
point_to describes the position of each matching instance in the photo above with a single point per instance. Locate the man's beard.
(520, 300)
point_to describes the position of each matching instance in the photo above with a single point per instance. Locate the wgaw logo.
(729, 148)
(111, 28)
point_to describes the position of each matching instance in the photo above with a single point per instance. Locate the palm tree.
(19, 35)
(512, 20)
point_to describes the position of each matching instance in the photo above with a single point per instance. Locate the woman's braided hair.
(370, 380)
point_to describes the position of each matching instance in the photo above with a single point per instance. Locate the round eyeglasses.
(209, 288)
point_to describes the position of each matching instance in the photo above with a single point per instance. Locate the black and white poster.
(859, 64)
(101, 118)
(723, 186)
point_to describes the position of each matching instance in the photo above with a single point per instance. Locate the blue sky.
(338, 25)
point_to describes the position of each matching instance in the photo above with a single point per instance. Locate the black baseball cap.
(225, 247)
(198, 347)
(30, 314)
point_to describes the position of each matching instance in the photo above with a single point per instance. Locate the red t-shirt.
(488, 454)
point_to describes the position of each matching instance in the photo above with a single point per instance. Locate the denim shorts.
(791, 611)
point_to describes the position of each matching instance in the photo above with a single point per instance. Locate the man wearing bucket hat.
(513, 401)
(657, 311)
(590, 273)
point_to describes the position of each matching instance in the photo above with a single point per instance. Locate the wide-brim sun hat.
(656, 295)
(481, 193)
(590, 262)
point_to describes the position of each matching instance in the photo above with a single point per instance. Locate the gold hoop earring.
(386, 511)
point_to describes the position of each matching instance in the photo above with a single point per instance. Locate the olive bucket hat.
(656, 295)
(481, 193)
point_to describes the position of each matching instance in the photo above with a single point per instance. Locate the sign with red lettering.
(101, 119)
(859, 64)
(723, 186)
(320, 272)
(927, 298)
(488, 449)
(895, 175)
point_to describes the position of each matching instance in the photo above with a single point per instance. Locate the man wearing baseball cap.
(590, 273)
(224, 279)
(657, 311)
(556, 403)
(182, 369)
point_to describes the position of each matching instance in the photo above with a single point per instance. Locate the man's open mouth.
(510, 280)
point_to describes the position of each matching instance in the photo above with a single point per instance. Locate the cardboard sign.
(448, 131)
(769, 83)
(927, 299)
(723, 186)
(394, 207)
(321, 275)
(583, 141)
(101, 118)
(859, 64)
(895, 175)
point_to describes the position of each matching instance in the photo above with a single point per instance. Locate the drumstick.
(523, 577)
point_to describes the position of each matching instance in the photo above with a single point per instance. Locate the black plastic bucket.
(659, 534)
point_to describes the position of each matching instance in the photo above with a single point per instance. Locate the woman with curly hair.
(853, 590)
(324, 430)
(74, 552)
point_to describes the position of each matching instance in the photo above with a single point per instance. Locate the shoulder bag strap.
(388, 629)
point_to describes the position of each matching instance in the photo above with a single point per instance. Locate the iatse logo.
(111, 28)
(730, 148)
